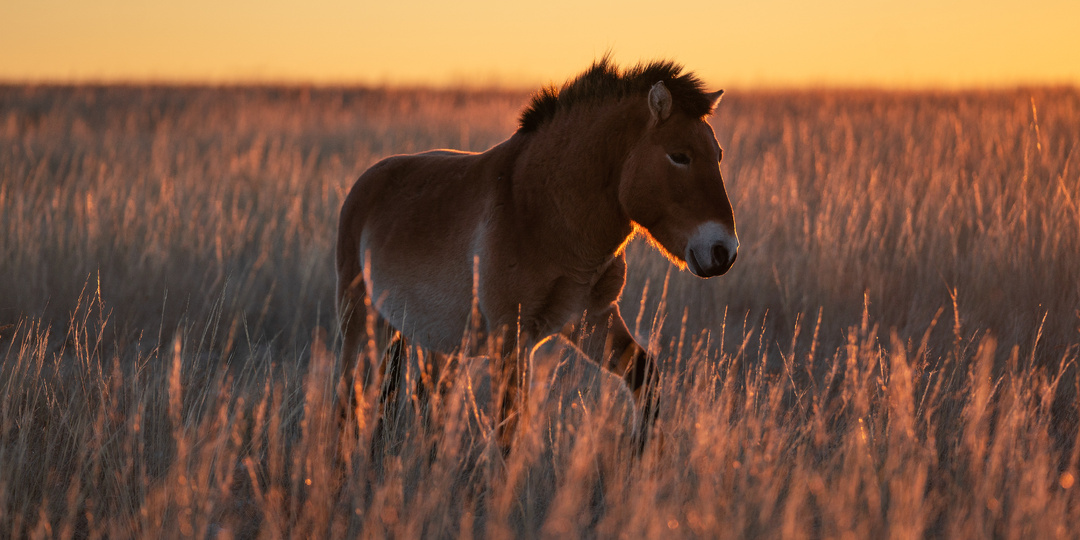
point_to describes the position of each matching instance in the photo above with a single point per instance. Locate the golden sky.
(746, 43)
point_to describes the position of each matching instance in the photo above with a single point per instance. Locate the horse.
(527, 239)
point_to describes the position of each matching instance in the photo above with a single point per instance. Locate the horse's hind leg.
(427, 394)
(391, 371)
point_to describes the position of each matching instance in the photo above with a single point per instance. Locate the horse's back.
(413, 220)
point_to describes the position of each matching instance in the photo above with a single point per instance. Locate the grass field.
(894, 354)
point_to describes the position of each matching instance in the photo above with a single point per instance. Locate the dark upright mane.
(603, 81)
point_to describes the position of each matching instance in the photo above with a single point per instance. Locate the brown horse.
(535, 227)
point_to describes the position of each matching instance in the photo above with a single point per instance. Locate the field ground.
(894, 354)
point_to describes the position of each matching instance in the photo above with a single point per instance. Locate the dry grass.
(893, 355)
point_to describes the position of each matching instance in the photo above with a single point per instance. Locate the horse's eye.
(679, 158)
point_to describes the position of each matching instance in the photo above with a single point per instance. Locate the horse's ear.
(659, 102)
(714, 98)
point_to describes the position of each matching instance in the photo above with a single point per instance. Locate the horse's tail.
(352, 304)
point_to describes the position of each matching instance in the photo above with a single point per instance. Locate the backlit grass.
(893, 354)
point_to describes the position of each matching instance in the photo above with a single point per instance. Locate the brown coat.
(537, 225)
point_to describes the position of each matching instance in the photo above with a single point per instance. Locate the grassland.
(894, 354)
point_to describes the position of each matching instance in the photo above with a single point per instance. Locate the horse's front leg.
(625, 357)
(607, 340)
(603, 336)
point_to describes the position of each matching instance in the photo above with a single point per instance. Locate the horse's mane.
(603, 81)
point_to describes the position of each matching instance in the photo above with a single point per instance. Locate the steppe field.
(894, 355)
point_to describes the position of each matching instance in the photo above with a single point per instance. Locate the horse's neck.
(573, 168)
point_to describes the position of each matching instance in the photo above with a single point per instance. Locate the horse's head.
(671, 186)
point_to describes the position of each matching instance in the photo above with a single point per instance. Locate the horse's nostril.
(721, 257)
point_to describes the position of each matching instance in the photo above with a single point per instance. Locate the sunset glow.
(479, 42)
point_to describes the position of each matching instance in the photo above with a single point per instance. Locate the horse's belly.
(421, 273)
(433, 313)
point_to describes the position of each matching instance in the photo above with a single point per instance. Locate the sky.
(749, 43)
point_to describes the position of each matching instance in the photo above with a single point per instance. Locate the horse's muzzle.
(711, 251)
